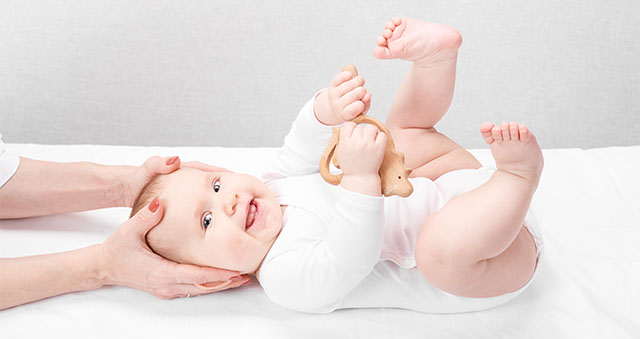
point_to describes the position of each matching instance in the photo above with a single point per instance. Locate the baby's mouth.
(251, 215)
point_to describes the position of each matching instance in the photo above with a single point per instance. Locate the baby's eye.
(216, 186)
(207, 219)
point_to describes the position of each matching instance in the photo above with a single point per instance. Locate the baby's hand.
(347, 97)
(360, 153)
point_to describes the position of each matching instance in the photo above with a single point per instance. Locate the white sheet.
(587, 205)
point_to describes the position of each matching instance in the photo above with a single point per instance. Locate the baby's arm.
(311, 131)
(321, 258)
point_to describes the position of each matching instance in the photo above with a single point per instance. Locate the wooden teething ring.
(393, 174)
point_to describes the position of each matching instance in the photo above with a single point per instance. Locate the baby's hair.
(152, 189)
(155, 238)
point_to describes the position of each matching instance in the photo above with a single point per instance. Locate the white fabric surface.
(587, 206)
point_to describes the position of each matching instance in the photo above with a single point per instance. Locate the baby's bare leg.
(476, 246)
(424, 95)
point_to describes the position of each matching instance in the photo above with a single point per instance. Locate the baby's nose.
(231, 203)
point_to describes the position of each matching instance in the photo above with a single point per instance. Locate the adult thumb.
(148, 217)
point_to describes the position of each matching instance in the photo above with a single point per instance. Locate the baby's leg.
(424, 95)
(476, 246)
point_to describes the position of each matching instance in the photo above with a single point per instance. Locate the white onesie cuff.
(8, 164)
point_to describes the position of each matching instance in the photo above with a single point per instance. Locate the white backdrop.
(235, 73)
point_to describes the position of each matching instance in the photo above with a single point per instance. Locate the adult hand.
(135, 182)
(125, 259)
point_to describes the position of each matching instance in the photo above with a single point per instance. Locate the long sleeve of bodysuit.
(324, 251)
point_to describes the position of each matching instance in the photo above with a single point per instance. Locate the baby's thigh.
(430, 153)
(452, 268)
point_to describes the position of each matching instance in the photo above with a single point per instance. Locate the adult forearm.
(41, 188)
(28, 279)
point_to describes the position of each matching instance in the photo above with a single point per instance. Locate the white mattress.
(587, 206)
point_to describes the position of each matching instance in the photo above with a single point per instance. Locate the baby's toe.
(525, 135)
(513, 131)
(496, 132)
(485, 131)
(504, 127)
(390, 26)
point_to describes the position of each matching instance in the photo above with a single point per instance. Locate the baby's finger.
(381, 139)
(370, 132)
(349, 86)
(357, 132)
(367, 102)
(353, 110)
(347, 130)
(355, 95)
(340, 78)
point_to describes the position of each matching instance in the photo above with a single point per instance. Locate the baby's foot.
(515, 149)
(418, 41)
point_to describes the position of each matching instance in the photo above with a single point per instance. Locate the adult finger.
(192, 274)
(147, 218)
(187, 290)
(158, 165)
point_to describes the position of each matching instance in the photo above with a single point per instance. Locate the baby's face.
(220, 219)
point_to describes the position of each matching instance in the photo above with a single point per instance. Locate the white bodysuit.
(8, 164)
(341, 249)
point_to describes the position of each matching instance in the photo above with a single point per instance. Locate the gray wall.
(235, 73)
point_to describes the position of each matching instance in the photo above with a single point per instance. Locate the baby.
(463, 241)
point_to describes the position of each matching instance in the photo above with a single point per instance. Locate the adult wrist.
(100, 274)
(119, 191)
(95, 276)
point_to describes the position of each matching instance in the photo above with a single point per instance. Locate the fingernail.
(153, 206)
(236, 278)
(172, 160)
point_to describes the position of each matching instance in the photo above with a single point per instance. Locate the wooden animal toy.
(394, 176)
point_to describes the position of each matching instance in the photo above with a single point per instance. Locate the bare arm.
(40, 187)
(43, 187)
(123, 259)
(37, 277)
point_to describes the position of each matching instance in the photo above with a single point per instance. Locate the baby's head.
(219, 219)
